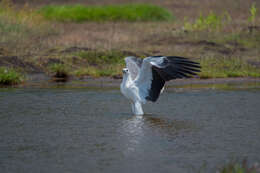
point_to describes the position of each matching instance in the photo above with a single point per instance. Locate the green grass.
(9, 76)
(102, 57)
(222, 67)
(246, 39)
(25, 29)
(110, 63)
(58, 70)
(100, 71)
(101, 63)
(127, 12)
(239, 167)
(253, 12)
(211, 22)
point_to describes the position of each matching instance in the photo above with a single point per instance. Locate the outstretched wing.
(133, 64)
(156, 70)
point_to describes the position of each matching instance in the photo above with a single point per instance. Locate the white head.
(125, 72)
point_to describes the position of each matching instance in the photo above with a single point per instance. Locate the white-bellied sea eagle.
(144, 79)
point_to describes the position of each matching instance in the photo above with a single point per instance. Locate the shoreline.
(43, 81)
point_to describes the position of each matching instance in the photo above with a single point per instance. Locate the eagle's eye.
(125, 70)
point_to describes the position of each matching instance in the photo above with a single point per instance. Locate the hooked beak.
(124, 70)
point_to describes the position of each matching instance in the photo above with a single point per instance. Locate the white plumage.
(144, 79)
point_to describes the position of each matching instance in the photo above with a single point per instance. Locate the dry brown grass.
(151, 37)
(22, 30)
(146, 38)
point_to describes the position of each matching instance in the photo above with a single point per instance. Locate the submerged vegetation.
(239, 167)
(92, 40)
(128, 12)
(9, 76)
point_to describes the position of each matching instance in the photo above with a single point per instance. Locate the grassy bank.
(92, 40)
(80, 63)
(101, 63)
(224, 67)
(9, 76)
(109, 63)
(127, 12)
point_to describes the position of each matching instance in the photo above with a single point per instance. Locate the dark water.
(82, 130)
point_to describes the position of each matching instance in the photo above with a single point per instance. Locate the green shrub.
(58, 70)
(127, 12)
(212, 22)
(253, 11)
(9, 76)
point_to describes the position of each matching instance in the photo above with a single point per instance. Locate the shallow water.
(88, 130)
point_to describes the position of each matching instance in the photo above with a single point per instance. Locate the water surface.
(88, 130)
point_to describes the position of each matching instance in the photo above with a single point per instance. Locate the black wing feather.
(177, 67)
(157, 85)
(172, 67)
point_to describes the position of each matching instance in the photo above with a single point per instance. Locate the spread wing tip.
(174, 67)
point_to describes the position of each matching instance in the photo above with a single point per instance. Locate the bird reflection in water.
(138, 131)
